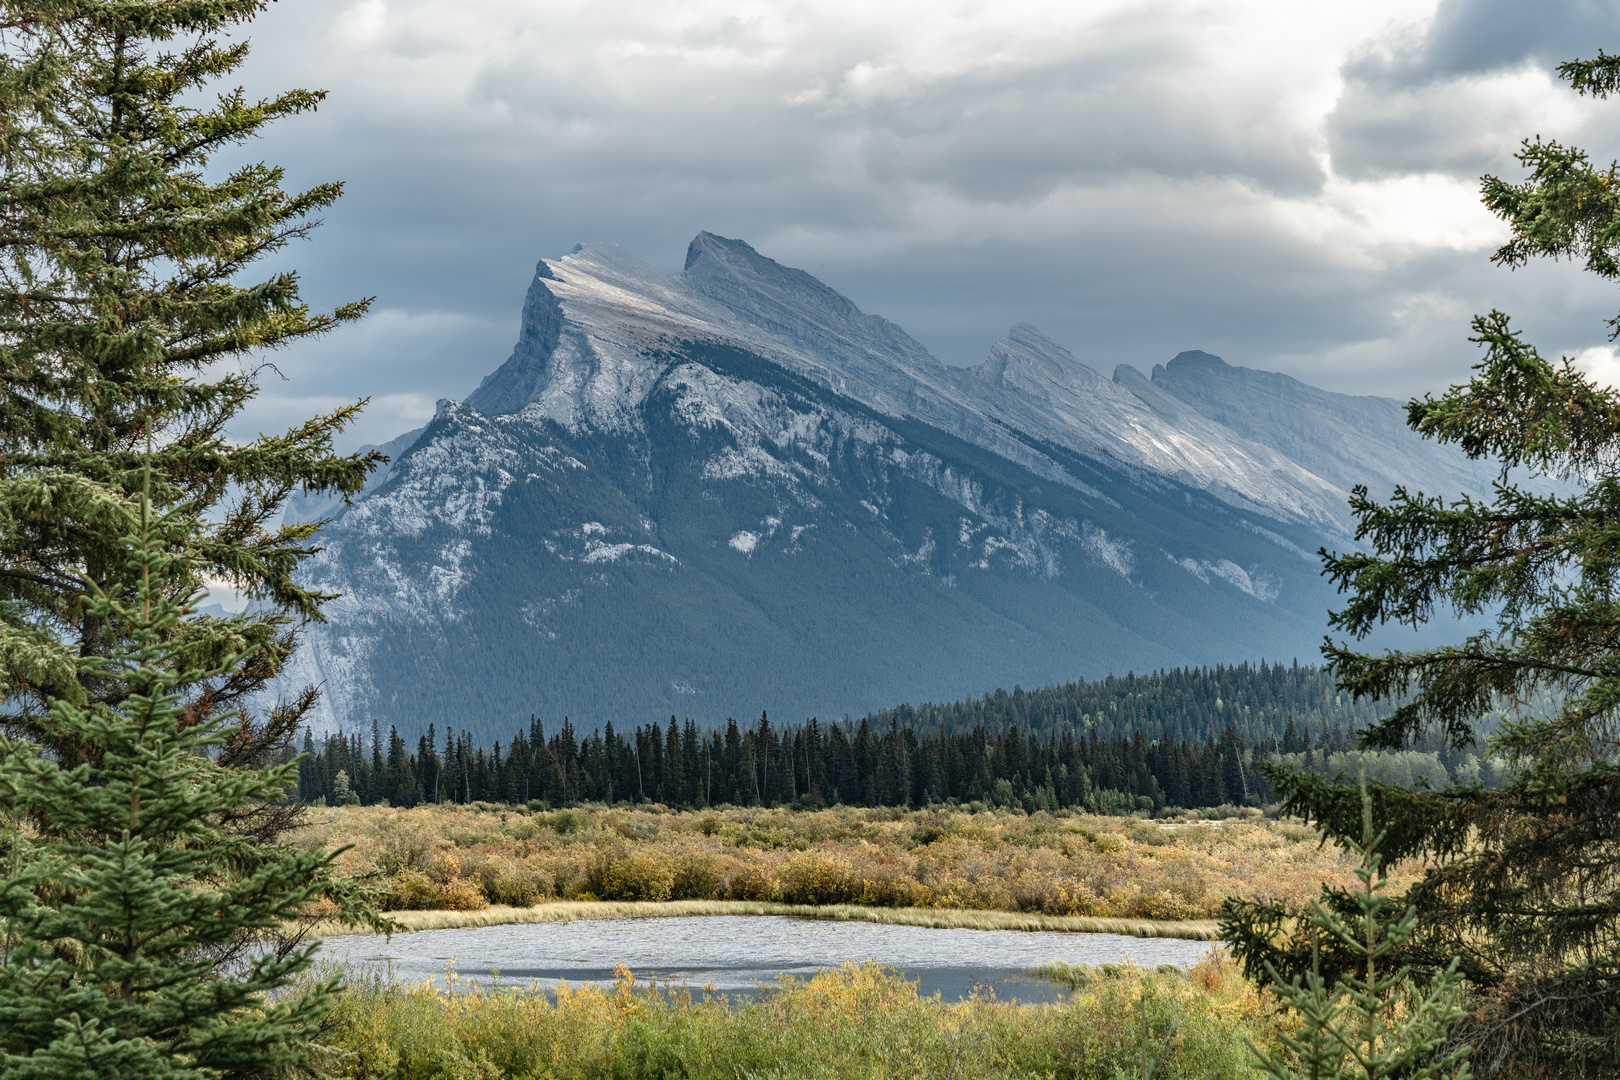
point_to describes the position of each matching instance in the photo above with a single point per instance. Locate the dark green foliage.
(123, 248)
(1261, 700)
(129, 331)
(1522, 882)
(123, 883)
(1081, 745)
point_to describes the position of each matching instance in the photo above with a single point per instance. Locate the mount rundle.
(732, 490)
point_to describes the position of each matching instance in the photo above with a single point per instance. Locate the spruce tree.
(1371, 1023)
(126, 311)
(121, 880)
(1521, 882)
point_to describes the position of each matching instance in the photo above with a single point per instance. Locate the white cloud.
(362, 24)
(1290, 185)
(1600, 362)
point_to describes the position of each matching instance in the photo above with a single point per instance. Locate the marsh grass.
(450, 865)
(1079, 976)
(934, 918)
(859, 1021)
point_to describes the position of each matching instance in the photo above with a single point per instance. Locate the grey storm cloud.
(1425, 101)
(1472, 37)
(1286, 185)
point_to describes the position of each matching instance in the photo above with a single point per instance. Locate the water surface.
(736, 953)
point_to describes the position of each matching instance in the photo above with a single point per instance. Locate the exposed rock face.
(1342, 439)
(731, 489)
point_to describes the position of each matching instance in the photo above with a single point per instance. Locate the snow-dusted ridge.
(595, 319)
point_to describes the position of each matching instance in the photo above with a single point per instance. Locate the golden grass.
(476, 865)
(857, 1022)
(934, 918)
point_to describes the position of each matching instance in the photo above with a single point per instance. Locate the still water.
(733, 954)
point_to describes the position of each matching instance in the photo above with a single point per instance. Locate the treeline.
(811, 764)
(1192, 704)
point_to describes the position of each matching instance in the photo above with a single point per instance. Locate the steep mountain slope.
(732, 490)
(1345, 440)
(1030, 385)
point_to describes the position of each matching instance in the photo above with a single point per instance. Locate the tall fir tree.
(1522, 882)
(123, 314)
(121, 881)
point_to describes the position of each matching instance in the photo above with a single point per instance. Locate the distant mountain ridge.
(731, 490)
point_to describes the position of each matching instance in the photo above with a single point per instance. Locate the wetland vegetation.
(471, 865)
(854, 1021)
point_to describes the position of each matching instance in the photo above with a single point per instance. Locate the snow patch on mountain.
(598, 552)
(1256, 583)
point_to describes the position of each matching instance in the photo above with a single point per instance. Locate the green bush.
(401, 851)
(566, 822)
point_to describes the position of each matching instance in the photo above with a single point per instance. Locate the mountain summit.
(731, 489)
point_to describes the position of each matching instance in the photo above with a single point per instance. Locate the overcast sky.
(1293, 186)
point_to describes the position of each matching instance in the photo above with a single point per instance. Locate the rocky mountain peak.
(1028, 360)
(598, 325)
(1127, 376)
(1197, 360)
(795, 306)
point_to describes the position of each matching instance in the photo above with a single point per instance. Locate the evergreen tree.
(122, 883)
(124, 315)
(1370, 1024)
(1521, 881)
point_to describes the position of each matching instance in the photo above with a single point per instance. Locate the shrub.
(754, 882)
(410, 890)
(566, 822)
(401, 851)
(889, 886)
(512, 885)
(698, 877)
(815, 878)
(857, 1021)
(459, 894)
(1051, 895)
(1007, 862)
(617, 876)
(1164, 904)
(444, 869)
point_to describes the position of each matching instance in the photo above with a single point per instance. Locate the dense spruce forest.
(1193, 704)
(1179, 739)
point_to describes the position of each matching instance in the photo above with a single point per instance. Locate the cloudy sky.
(1290, 185)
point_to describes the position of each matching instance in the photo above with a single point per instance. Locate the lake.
(733, 954)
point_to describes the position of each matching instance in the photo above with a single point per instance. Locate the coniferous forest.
(1177, 739)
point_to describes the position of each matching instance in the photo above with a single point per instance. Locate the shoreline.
(563, 911)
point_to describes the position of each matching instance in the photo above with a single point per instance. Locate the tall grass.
(860, 1021)
(463, 859)
(934, 918)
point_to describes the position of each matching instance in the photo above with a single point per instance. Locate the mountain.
(730, 490)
